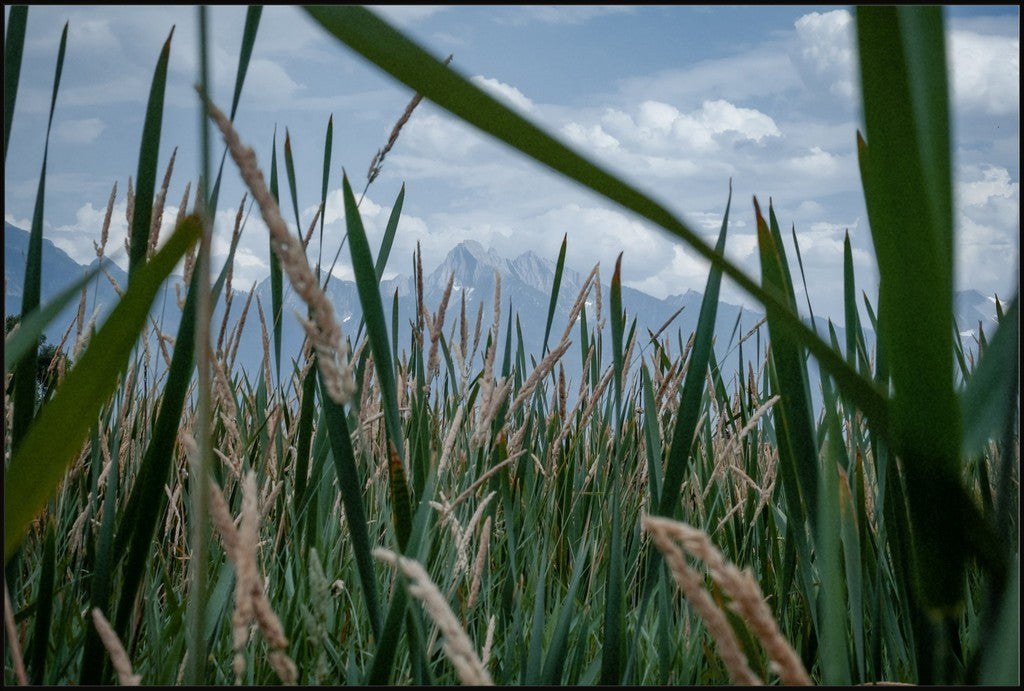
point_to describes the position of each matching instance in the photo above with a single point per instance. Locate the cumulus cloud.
(563, 14)
(824, 52)
(656, 126)
(404, 15)
(985, 72)
(987, 229)
(504, 92)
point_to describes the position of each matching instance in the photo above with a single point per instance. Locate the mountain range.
(526, 286)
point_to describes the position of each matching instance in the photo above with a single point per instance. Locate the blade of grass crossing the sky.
(25, 373)
(613, 615)
(373, 315)
(693, 383)
(149, 152)
(373, 38)
(14, 44)
(275, 266)
(389, 235)
(37, 466)
(559, 267)
(803, 276)
(328, 139)
(790, 365)
(252, 25)
(289, 167)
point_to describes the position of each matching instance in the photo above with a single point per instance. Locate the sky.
(678, 100)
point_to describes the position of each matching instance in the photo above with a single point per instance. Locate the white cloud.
(589, 137)
(659, 127)
(82, 131)
(824, 56)
(404, 15)
(987, 229)
(564, 14)
(504, 92)
(994, 183)
(985, 72)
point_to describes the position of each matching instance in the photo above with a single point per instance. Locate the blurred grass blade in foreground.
(38, 465)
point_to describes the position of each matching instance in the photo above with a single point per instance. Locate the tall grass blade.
(905, 167)
(276, 285)
(146, 498)
(328, 140)
(559, 268)
(149, 152)
(289, 167)
(24, 400)
(14, 44)
(693, 383)
(389, 235)
(795, 425)
(252, 25)
(990, 393)
(44, 605)
(376, 327)
(351, 486)
(554, 659)
(93, 658)
(37, 466)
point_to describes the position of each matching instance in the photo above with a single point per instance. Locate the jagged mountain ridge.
(526, 284)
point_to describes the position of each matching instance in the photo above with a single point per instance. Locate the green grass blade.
(616, 323)
(373, 38)
(652, 438)
(803, 276)
(614, 609)
(276, 286)
(147, 497)
(554, 660)
(989, 392)
(905, 167)
(14, 44)
(25, 373)
(37, 466)
(252, 25)
(849, 300)
(44, 605)
(373, 314)
(693, 383)
(833, 637)
(532, 670)
(149, 152)
(1001, 660)
(559, 268)
(389, 235)
(93, 652)
(289, 166)
(794, 419)
(328, 139)
(351, 485)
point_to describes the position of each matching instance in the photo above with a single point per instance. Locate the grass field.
(453, 510)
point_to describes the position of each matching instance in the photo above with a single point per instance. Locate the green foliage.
(881, 529)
